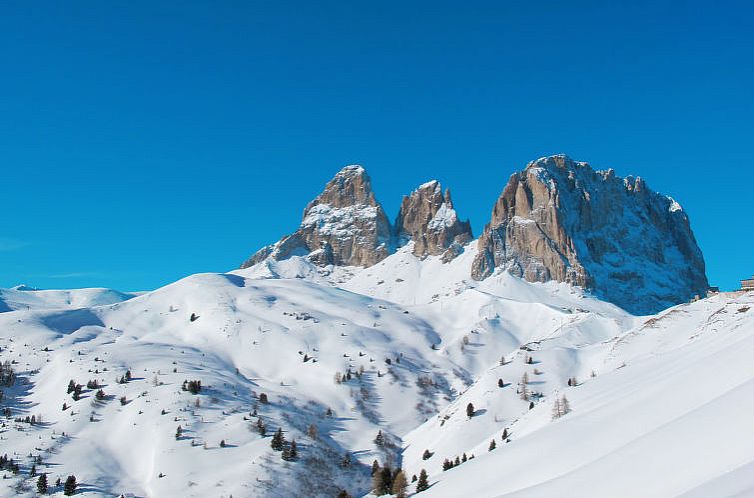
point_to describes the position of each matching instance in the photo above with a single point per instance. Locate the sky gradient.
(146, 141)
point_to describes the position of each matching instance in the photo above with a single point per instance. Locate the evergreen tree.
(375, 467)
(500, 383)
(422, 484)
(42, 484)
(379, 440)
(426, 455)
(278, 440)
(400, 483)
(70, 486)
(470, 410)
(505, 434)
(387, 480)
(464, 458)
(493, 445)
(457, 462)
(346, 462)
(178, 432)
(263, 398)
(294, 450)
(33, 470)
(222, 443)
(261, 429)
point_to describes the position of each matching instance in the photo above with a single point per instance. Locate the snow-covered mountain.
(558, 219)
(401, 347)
(374, 343)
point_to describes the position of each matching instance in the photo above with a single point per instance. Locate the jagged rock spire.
(427, 217)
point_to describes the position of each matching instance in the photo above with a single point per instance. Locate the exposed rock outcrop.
(344, 226)
(427, 217)
(561, 220)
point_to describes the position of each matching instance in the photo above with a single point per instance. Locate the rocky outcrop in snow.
(427, 217)
(561, 220)
(344, 226)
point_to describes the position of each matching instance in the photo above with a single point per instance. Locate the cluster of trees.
(33, 420)
(350, 374)
(8, 464)
(560, 407)
(74, 390)
(386, 481)
(449, 463)
(7, 374)
(125, 378)
(289, 451)
(192, 386)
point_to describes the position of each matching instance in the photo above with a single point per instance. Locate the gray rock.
(561, 220)
(344, 225)
(428, 218)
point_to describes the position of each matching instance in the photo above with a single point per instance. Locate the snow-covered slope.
(661, 415)
(23, 297)
(341, 353)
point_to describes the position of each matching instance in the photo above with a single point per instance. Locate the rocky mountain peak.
(559, 219)
(427, 217)
(344, 226)
(351, 186)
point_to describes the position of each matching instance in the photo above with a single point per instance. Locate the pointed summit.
(427, 217)
(344, 226)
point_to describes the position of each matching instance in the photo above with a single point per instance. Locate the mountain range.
(560, 353)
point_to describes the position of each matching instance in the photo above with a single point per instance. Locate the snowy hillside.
(334, 356)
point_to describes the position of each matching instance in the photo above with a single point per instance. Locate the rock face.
(561, 220)
(427, 217)
(344, 226)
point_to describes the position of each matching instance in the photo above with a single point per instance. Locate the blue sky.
(144, 141)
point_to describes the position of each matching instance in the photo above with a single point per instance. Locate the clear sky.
(144, 141)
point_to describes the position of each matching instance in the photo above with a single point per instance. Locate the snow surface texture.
(660, 406)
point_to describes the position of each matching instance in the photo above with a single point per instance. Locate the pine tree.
(422, 484)
(387, 480)
(294, 450)
(178, 432)
(33, 470)
(263, 398)
(278, 440)
(493, 445)
(375, 467)
(500, 383)
(42, 484)
(222, 443)
(400, 483)
(426, 455)
(531, 405)
(505, 434)
(457, 462)
(470, 410)
(261, 429)
(379, 440)
(464, 458)
(70, 486)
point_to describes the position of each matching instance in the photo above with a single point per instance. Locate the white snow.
(666, 414)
